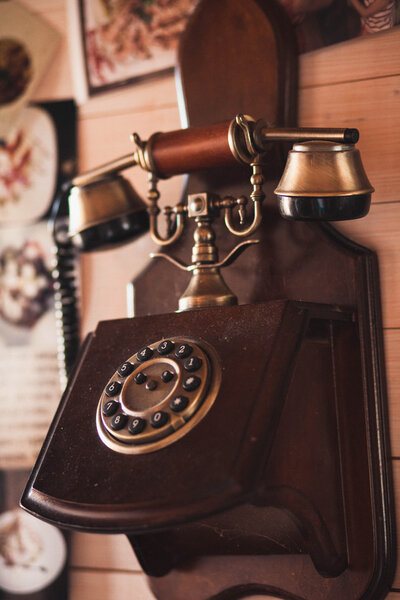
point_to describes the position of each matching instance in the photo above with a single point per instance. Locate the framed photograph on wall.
(122, 42)
(320, 23)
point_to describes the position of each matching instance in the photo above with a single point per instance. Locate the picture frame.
(125, 42)
(320, 23)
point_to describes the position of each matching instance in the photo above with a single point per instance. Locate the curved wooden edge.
(373, 355)
(114, 518)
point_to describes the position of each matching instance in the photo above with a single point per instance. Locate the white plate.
(32, 553)
(28, 168)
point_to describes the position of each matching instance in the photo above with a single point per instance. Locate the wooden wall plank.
(379, 231)
(149, 95)
(105, 275)
(101, 139)
(365, 57)
(102, 585)
(372, 108)
(96, 551)
(89, 585)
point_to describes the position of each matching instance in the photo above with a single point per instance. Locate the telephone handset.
(157, 395)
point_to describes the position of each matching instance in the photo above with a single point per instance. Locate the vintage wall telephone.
(241, 447)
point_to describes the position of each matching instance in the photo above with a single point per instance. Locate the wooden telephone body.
(276, 481)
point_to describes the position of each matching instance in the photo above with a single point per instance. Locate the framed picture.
(127, 40)
(320, 23)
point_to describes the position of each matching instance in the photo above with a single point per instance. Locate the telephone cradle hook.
(207, 286)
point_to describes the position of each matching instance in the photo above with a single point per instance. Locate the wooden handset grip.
(188, 150)
(225, 144)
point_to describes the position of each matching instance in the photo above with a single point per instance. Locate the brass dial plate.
(157, 395)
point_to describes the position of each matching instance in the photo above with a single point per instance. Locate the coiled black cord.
(66, 288)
